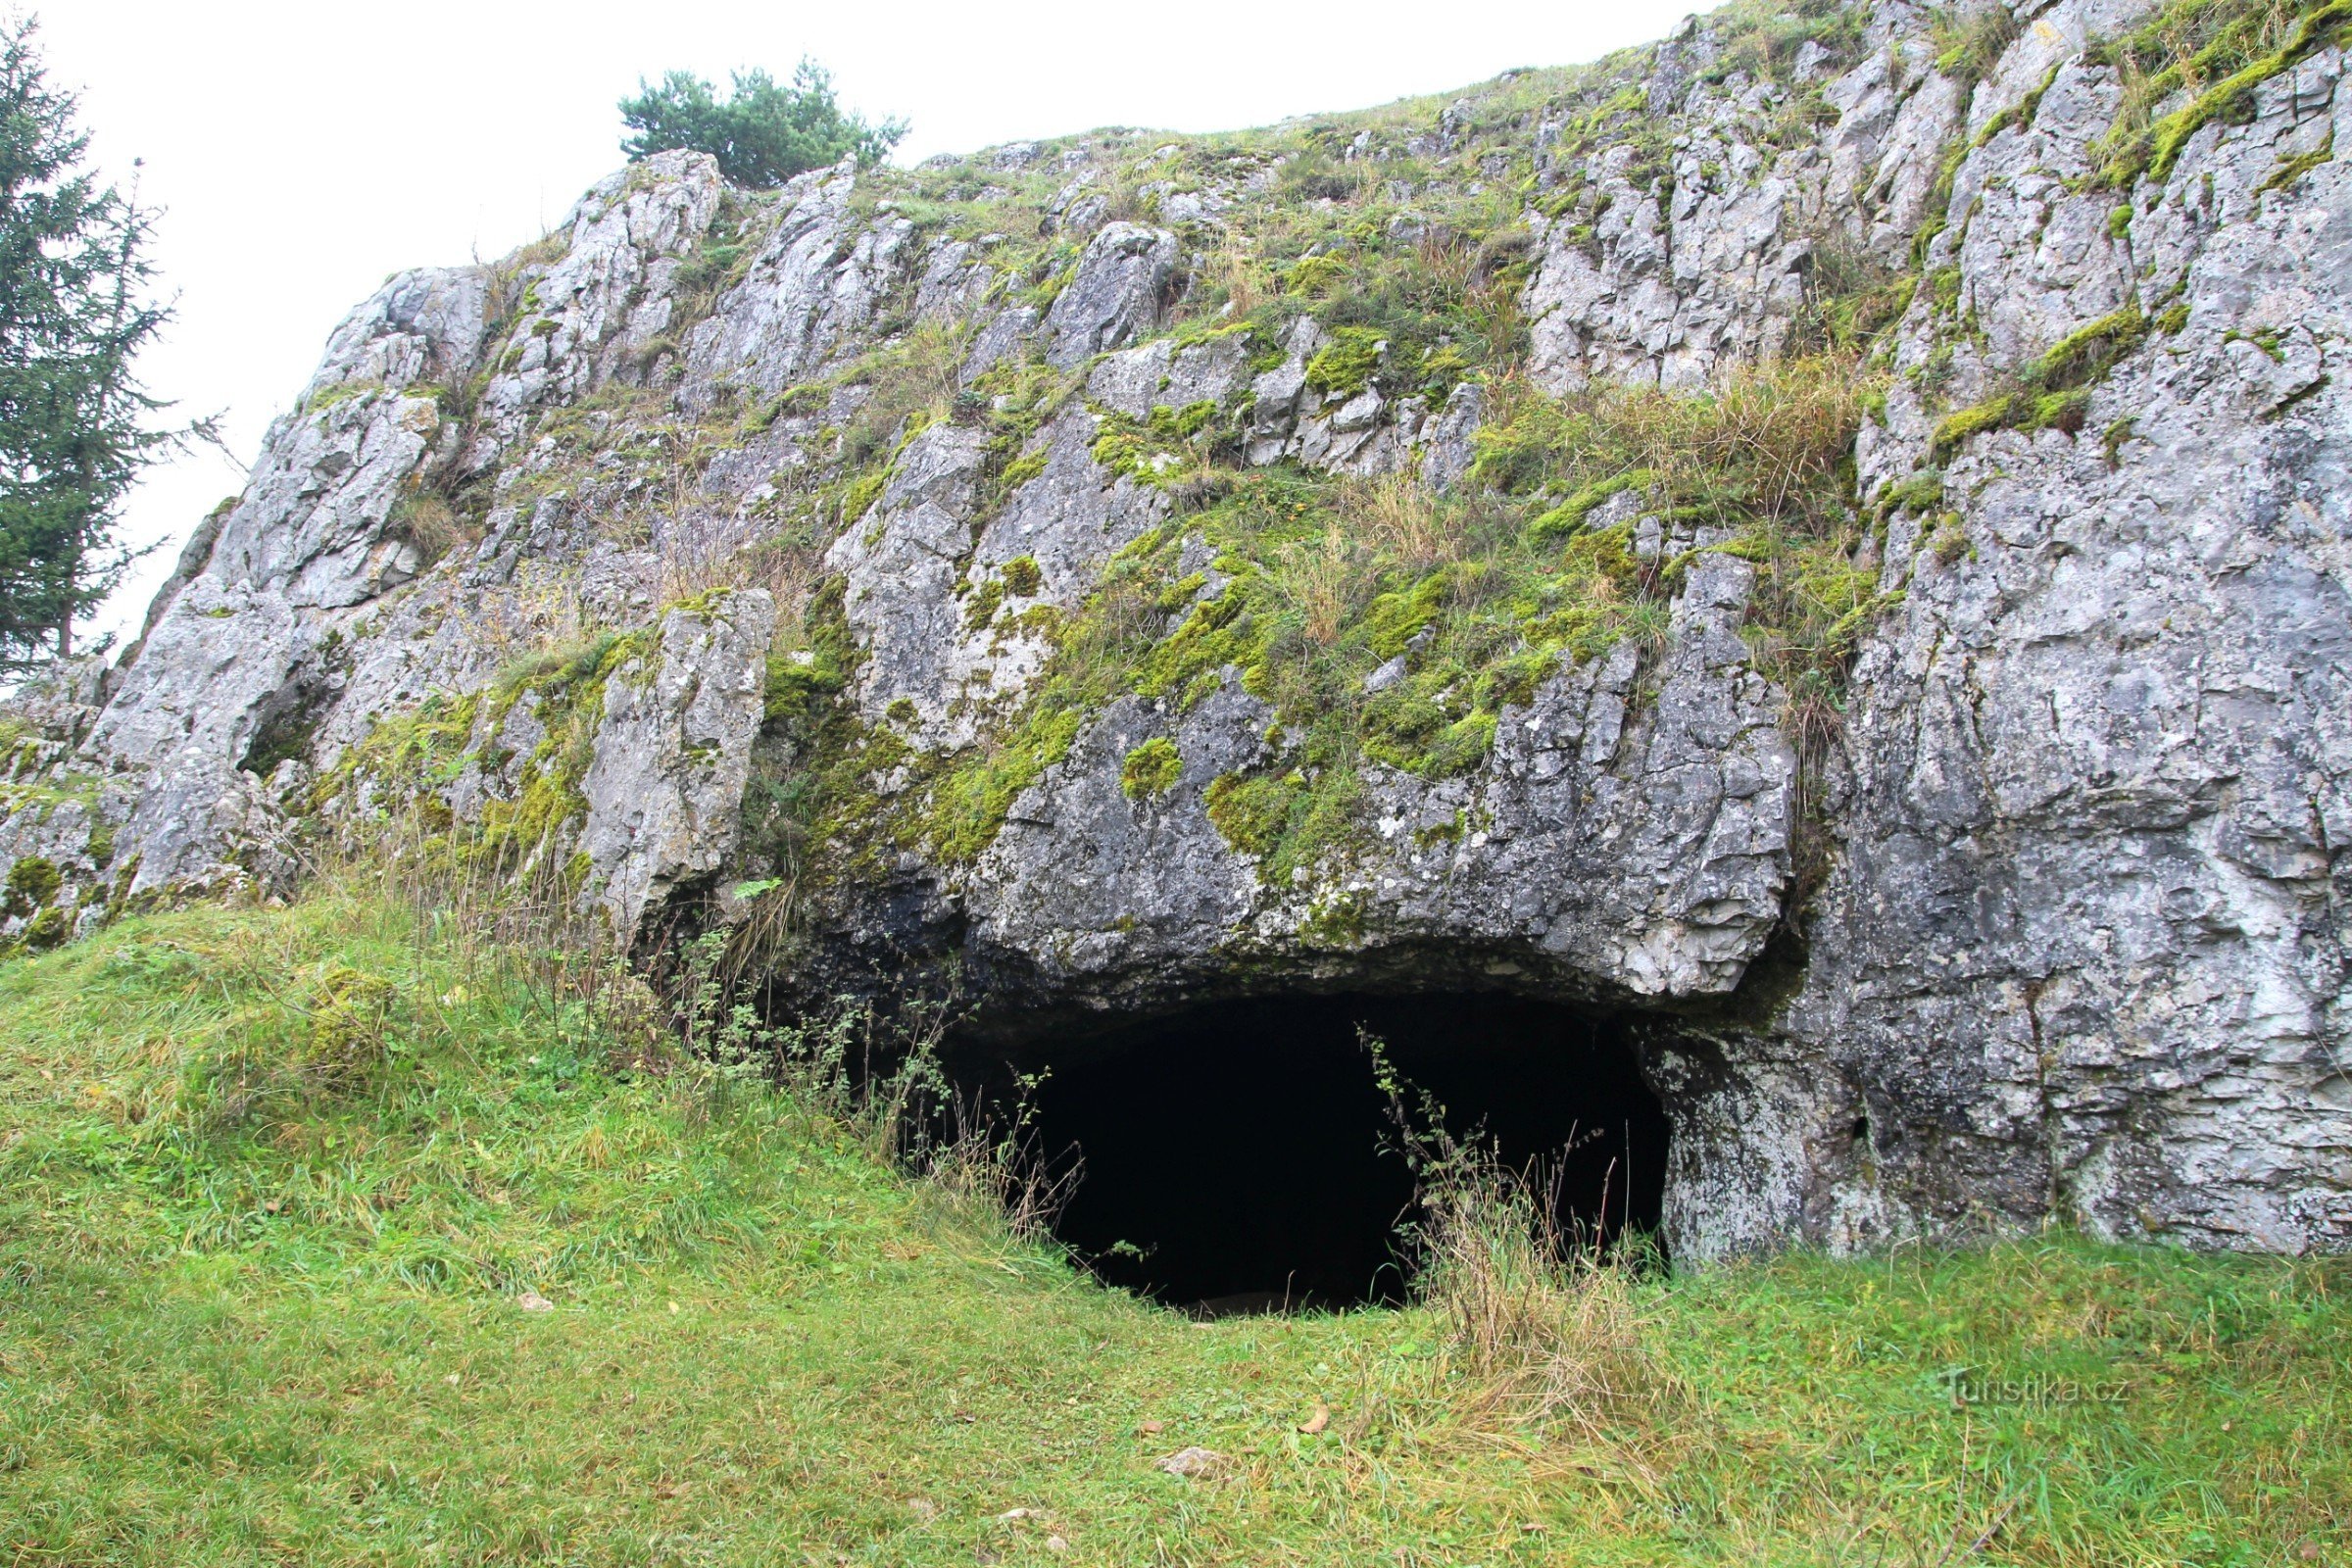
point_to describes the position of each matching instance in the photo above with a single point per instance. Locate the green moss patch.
(1151, 770)
(2218, 52)
(2053, 393)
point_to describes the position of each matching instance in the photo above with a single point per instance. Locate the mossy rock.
(1151, 770)
(32, 883)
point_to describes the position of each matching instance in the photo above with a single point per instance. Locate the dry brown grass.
(1235, 276)
(1543, 1329)
(433, 526)
(1768, 440)
(1450, 263)
(910, 380)
(539, 610)
(986, 1181)
(1326, 580)
(1402, 519)
(701, 546)
(1546, 1336)
(1785, 429)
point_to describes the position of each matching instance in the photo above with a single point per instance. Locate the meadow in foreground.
(335, 1234)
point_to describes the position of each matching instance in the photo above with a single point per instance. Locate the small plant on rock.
(1151, 770)
(31, 882)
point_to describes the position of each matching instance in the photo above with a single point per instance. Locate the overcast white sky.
(305, 149)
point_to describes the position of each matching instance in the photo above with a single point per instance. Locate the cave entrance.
(1239, 1156)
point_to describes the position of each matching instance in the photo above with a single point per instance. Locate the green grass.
(272, 1185)
(2217, 52)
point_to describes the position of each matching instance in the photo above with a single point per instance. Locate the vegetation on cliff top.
(348, 1233)
(763, 134)
(1411, 258)
(1403, 233)
(2205, 58)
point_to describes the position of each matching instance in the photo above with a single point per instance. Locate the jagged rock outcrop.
(1137, 570)
(672, 754)
(1650, 843)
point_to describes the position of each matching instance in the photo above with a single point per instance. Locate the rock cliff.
(1828, 536)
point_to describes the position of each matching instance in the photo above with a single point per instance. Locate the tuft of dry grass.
(1227, 284)
(1545, 1326)
(986, 1180)
(433, 526)
(1401, 519)
(1326, 581)
(1544, 1329)
(537, 612)
(1769, 442)
(2191, 44)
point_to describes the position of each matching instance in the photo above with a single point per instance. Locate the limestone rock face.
(1647, 847)
(673, 752)
(804, 298)
(2089, 932)
(312, 539)
(1161, 376)
(1052, 568)
(1086, 879)
(1116, 294)
(605, 310)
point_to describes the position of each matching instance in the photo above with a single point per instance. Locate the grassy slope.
(259, 1301)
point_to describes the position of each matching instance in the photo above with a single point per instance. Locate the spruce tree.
(74, 312)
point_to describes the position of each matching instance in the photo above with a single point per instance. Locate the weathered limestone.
(673, 752)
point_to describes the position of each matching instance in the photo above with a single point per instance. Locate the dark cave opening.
(1240, 1156)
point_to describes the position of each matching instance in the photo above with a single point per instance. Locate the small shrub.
(1022, 576)
(49, 929)
(764, 133)
(348, 1014)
